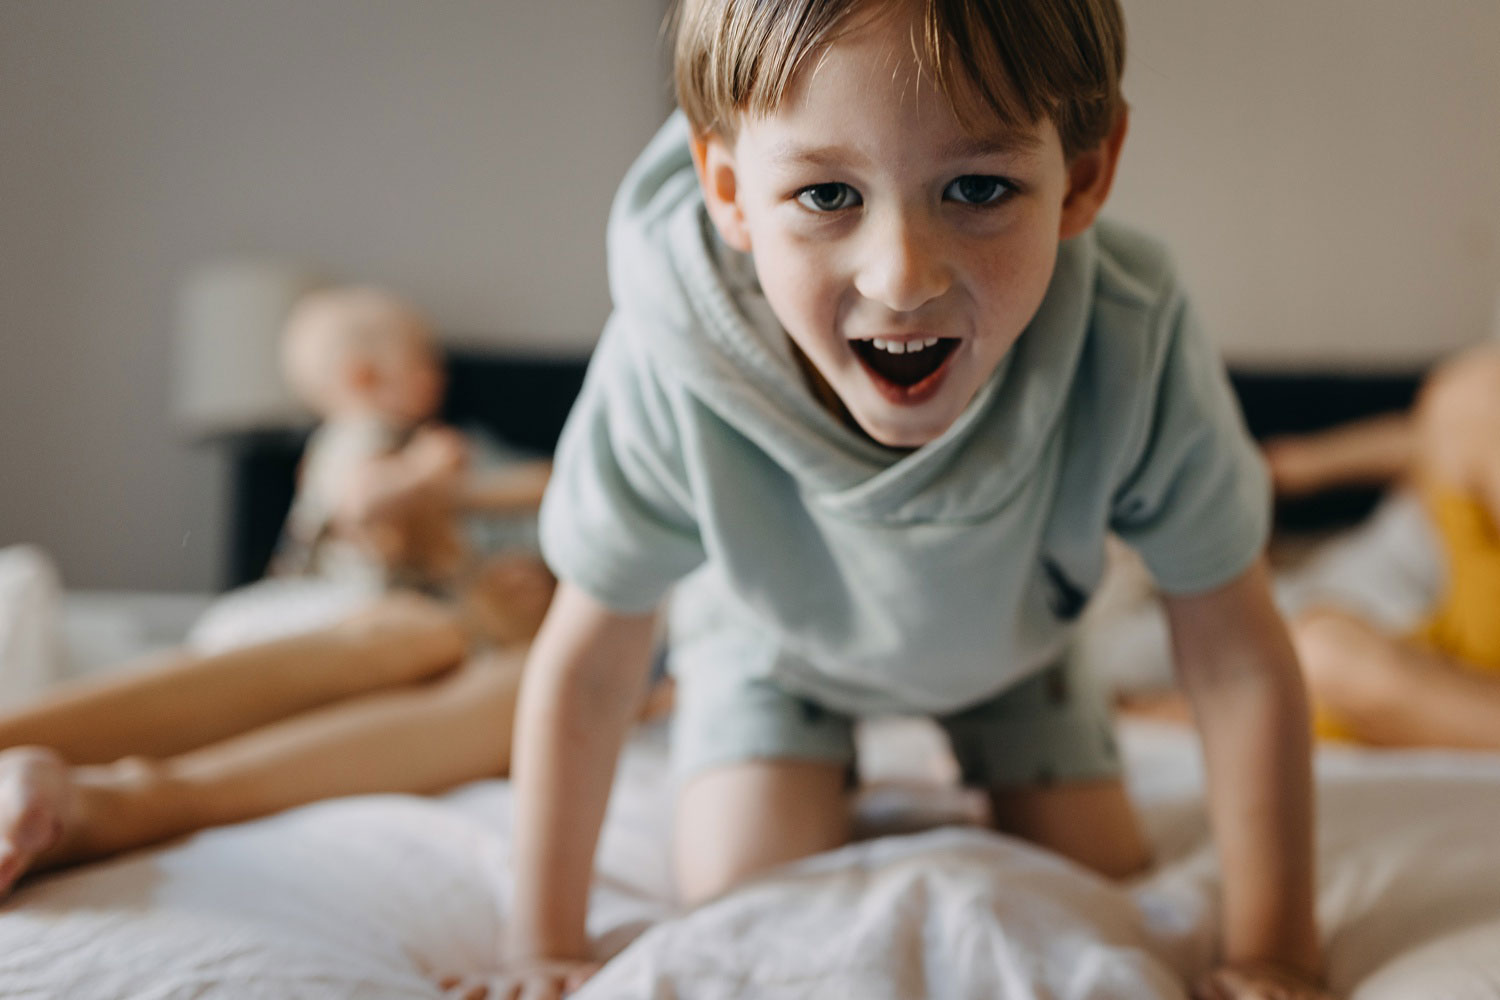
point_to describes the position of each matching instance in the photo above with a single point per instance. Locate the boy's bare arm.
(1237, 665)
(582, 688)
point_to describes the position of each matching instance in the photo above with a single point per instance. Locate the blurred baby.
(387, 496)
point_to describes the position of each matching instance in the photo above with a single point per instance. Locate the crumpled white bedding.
(374, 897)
(371, 897)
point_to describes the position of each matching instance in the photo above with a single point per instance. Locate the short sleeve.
(1196, 502)
(617, 520)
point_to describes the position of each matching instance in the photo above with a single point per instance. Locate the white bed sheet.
(368, 897)
(372, 897)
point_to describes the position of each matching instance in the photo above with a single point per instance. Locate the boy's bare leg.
(1391, 692)
(418, 739)
(1092, 823)
(188, 701)
(736, 821)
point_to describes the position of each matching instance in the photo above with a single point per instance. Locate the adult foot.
(36, 807)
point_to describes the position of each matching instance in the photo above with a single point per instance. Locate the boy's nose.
(902, 267)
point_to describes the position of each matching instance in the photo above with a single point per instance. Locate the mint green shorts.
(1053, 727)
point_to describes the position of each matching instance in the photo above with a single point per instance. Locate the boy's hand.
(533, 979)
(1257, 981)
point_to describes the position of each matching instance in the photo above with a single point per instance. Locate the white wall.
(463, 151)
(1328, 172)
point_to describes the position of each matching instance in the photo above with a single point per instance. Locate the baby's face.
(410, 385)
(903, 256)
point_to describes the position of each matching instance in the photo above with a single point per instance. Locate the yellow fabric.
(1327, 726)
(1466, 625)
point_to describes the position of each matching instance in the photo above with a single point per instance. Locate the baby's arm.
(386, 486)
(582, 687)
(1237, 665)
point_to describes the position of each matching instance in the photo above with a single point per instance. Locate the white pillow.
(30, 648)
(952, 913)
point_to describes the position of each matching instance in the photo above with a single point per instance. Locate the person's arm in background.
(1369, 452)
(1237, 665)
(1458, 420)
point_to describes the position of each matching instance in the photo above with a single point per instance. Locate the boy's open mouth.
(904, 364)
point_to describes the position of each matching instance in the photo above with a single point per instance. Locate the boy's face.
(902, 256)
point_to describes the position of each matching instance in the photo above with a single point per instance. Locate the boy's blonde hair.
(1025, 60)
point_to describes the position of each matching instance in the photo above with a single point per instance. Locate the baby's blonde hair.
(333, 327)
(1025, 60)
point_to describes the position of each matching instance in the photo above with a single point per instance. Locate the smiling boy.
(875, 390)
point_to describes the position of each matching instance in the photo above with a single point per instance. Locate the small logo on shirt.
(1065, 598)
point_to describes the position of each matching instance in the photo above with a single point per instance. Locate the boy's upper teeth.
(903, 346)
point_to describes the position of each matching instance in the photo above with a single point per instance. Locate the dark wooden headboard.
(524, 401)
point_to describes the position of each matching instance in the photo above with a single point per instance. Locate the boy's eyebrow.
(964, 148)
(818, 156)
(975, 146)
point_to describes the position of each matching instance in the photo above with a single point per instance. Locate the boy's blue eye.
(978, 189)
(828, 197)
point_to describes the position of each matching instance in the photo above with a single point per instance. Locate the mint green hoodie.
(867, 579)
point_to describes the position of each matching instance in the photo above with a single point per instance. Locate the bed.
(376, 896)
(370, 897)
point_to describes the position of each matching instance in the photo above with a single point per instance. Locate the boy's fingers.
(1239, 984)
(467, 988)
(547, 988)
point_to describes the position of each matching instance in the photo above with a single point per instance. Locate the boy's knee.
(700, 879)
(737, 821)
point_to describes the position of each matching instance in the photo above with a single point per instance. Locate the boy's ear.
(714, 161)
(1090, 177)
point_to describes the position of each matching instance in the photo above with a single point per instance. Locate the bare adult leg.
(186, 701)
(1092, 823)
(416, 739)
(1391, 692)
(736, 821)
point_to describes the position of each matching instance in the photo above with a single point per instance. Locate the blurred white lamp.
(229, 320)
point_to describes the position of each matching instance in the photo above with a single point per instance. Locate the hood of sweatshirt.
(692, 306)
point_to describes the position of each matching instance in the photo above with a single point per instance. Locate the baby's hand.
(1257, 981)
(438, 451)
(536, 979)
